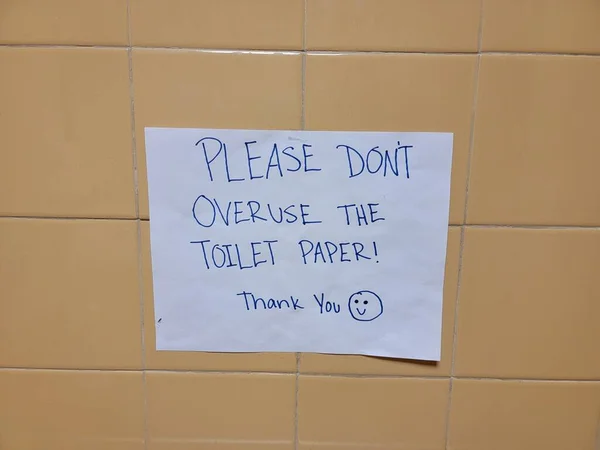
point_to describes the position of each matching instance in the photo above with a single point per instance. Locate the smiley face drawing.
(365, 306)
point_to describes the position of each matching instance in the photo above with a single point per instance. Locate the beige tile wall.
(517, 81)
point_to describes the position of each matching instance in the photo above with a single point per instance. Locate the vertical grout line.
(303, 127)
(132, 114)
(464, 221)
(138, 226)
(296, 398)
(142, 330)
(303, 69)
(597, 443)
(473, 116)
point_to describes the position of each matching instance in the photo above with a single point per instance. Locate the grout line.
(302, 127)
(450, 225)
(296, 400)
(507, 53)
(133, 135)
(374, 376)
(386, 52)
(597, 446)
(173, 442)
(295, 52)
(462, 230)
(537, 227)
(303, 69)
(354, 444)
(307, 375)
(142, 331)
(528, 380)
(472, 134)
(139, 226)
(275, 51)
(266, 51)
(66, 46)
(303, 93)
(130, 219)
(454, 333)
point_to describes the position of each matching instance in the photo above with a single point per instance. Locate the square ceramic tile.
(559, 26)
(535, 153)
(192, 408)
(67, 410)
(337, 413)
(343, 364)
(240, 24)
(264, 362)
(393, 25)
(528, 304)
(69, 294)
(213, 90)
(70, 22)
(515, 415)
(374, 92)
(65, 133)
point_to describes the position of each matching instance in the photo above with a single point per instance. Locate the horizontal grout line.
(451, 225)
(64, 46)
(219, 441)
(353, 444)
(530, 380)
(302, 374)
(224, 50)
(296, 51)
(386, 52)
(182, 371)
(132, 219)
(589, 55)
(373, 376)
(536, 227)
(143, 47)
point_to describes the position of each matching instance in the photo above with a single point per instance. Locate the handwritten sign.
(299, 241)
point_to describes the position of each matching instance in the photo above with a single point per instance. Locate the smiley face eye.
(355, 301)
(365, 302)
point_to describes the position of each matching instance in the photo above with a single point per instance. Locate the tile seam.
(462, 230)
(450, 225)
(126, 219)
(139, 227)
(143, 335)
(308, 375)
(597, 443)
(296, 51)
(302, 127)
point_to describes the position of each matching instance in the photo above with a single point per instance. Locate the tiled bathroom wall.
(516, 81)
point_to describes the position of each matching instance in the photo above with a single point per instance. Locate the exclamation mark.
(406, 160)
(375, 250)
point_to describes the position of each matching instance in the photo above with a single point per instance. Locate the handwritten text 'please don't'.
(278, 162)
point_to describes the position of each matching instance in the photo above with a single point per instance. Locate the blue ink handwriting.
(218, 256)
(326, 305)
(328, 252)
(208, 212)
(254, 303)
(353, 210)
(376, 161)
(282, 160)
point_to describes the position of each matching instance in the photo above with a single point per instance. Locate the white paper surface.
(329, 278)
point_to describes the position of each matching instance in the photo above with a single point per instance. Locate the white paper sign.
(299, 241)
